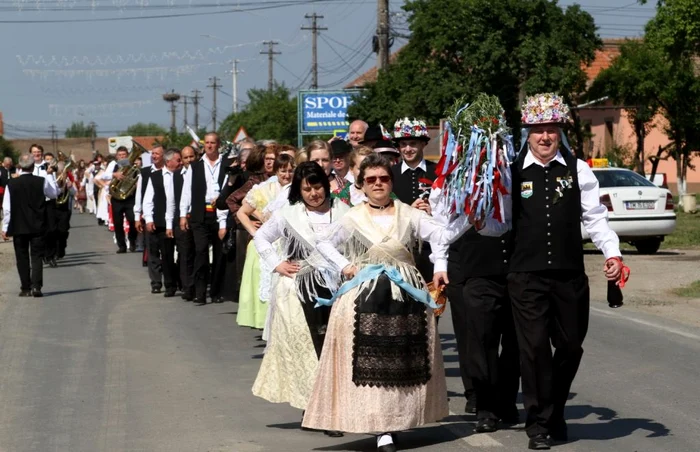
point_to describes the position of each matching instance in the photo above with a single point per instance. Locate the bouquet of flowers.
(477, 149)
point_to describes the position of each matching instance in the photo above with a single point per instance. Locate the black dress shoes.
(169, 293)
(52, 262)
(470, 407)
(510, 416)
(487, 425)
(539, 442)
(132, 248)
(155, 289)
(36, 293)
(333, 433)
(121, 251)
(25, 293)
(218, 300)
(200, 301)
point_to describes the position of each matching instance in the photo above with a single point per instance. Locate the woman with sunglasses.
(297, 331)
(381, 370)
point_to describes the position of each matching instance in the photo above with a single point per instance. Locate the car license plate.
(640, 205)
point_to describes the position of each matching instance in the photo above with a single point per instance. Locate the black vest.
(546, 230)
(178, 181)
(27, 205)
(145, 176)
(199, 187)
(477, 256)
(406, 185)
(159, 200)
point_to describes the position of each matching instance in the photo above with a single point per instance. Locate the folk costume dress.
(297, 330)
(255, 281)
(381, 369)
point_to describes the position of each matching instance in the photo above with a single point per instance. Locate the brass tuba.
(63, 177)
(120, 189)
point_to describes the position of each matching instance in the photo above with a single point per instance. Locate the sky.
(110, 61)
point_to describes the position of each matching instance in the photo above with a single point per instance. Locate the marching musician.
(121, 208)
(158, 212)
(64, 211)
(155, 272)
(199, 194)
(183, 237)
(24, 219)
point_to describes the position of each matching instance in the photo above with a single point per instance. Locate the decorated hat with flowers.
(406, 129)
(545, 108)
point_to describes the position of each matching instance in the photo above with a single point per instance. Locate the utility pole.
(314, 54)
(195, 101)
(93, 134)
(234, 74)
(214, 85)
(270, 59)
(54, 137)
(184, 110)
(382, 34)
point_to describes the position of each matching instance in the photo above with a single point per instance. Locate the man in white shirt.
(24, 219)
(553, 192)
(183, 237)
(200, 191)
(159, 212)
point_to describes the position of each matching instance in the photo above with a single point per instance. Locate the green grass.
(687, 233)
(691, 291)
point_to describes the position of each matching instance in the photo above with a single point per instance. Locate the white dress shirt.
(422, 165)
(50, 191)
(149, 196)
(594, 215)
(211, 176)
(108, 173)
(138, 202)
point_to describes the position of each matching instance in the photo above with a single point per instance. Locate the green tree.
(635, 79)
(142, 129)
(6, 149)
(675, 31)
(506, 48)
(269, 115)
(80, 130)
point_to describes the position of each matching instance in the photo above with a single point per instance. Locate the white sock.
(384, 439)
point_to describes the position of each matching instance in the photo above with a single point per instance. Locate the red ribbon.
(624, 272)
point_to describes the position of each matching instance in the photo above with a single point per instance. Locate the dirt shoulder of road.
(652, 280)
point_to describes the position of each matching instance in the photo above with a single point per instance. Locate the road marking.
(646, 323)
(468, 435)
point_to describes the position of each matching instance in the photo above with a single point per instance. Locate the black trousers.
(206, 233)
(161, 260)
(29, 252)
(455, 295)
(121, 209)
(549, 307)
(185, 258)
(63, 216)
(489, 324)
(51, 234)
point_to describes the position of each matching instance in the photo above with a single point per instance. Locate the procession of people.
(340, 254)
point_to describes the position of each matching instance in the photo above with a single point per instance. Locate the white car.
(638, 211)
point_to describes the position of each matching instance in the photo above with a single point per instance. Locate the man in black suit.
(122, 207)
(183, 237)
(200, 190)
(6, 171)
(24, 219)
(411, 177)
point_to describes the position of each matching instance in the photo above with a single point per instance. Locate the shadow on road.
(611, 426)
(63, 292)
(409, 440)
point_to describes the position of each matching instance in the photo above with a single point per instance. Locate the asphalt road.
(100, 364)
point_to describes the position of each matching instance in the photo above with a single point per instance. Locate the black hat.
(387, 146)
(373, 133)
(340, 148)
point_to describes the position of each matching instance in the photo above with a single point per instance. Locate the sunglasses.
(372, 179)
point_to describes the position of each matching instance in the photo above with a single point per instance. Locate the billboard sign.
(323, 112)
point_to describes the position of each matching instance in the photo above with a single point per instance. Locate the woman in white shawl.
(381, 370)
(297, 332)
